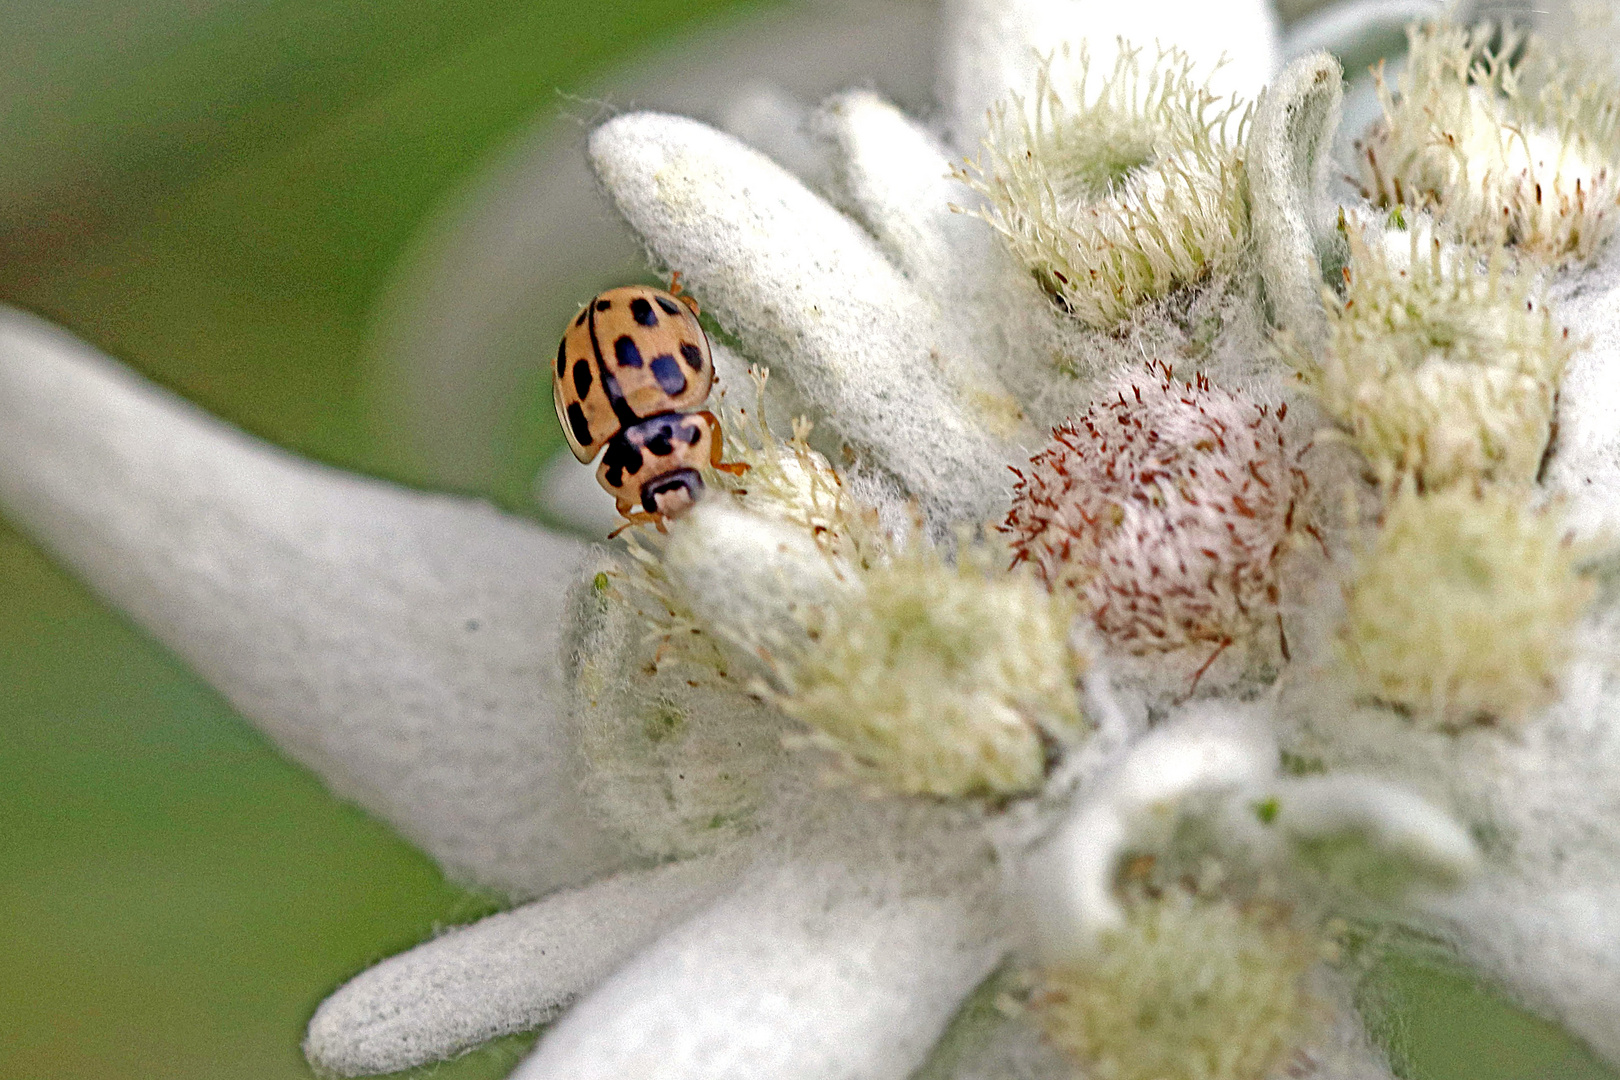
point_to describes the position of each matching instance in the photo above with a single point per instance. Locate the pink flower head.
(1164, 509)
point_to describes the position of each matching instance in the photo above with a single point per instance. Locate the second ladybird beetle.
(629, 367)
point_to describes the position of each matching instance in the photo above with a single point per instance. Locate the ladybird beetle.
(629, 366)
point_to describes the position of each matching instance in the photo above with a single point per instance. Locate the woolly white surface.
(510, 972)
(1068, 881)
(895, 176)
(1425, 846)
(815, 969)
(1541, 801)
(401, 645)
(809, 294)
(1585, 462)
(748, 577)
(680, 760)
(993, 47)
(1290, 146)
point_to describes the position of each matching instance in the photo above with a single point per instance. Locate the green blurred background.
(216, 191)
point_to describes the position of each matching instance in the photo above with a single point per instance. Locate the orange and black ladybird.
(629, 366)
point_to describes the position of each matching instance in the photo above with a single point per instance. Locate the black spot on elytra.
(578, 424)
(603, 305)
(580, 319)
(562, 357)
(621, 458)
(642, 312)
(690, 432)
(669, 306)
(582, 378)
(626, 352)
(693, 355)
(668, 374)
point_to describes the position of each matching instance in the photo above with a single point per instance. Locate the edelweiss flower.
(812, 788)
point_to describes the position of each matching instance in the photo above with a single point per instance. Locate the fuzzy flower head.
(1507, 142)
(941, 679)
(1464, 608)
(1165, 509)
(1435, 369)
(1190, 988)
(1119, 194)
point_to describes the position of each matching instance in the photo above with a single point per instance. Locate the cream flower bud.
(1435, 369)
(1187, 989)
(941, 679)
(1463, 609)
(1505, 147)
(1115, 195)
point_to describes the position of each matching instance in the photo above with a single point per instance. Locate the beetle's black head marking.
(672, 493)
(621, 457)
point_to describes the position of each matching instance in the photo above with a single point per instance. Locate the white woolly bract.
(510, 972)
(845, 959)
(806, 290)
(941, 679)
(1436, 369)
(1116, 197)
(1187, 989)
(1069, 878)
(401, 645)
(1503, 147)
(1164, 508)
(1463, 608)
(679, 757)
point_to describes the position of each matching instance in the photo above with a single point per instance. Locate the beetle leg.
(717, 447)
(685, 298)
(640, 517)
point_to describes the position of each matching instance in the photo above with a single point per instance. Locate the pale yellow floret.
(790, 482)
(1509, 144)
(1188, 989)
(1464, 608)
(938, 679)
(1437, 369)
(1119, 194)
(786, 481)
(921, 675)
